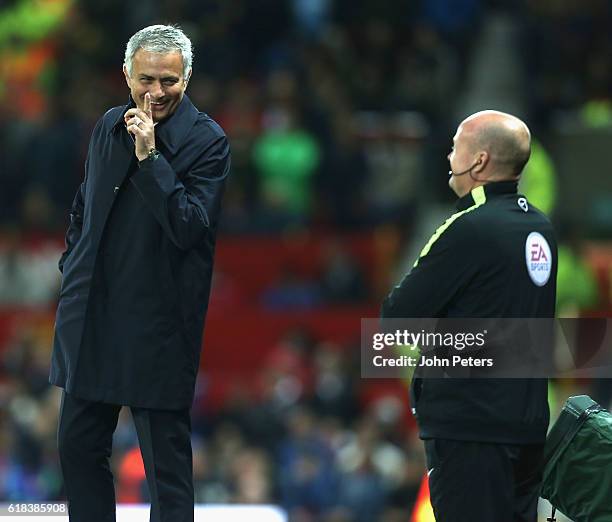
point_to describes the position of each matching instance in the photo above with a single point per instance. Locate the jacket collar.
(490, 190)
(171, 131)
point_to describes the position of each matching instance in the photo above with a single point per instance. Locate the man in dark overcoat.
(136, 278)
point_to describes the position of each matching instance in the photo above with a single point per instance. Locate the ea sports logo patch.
(538, 258)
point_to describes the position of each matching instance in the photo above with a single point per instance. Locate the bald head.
(504, 137)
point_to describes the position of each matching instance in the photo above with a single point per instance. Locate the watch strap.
(151, 156)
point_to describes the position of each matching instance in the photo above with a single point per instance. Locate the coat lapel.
(174, 130)
(108, 168)
(171, 132)
(115, 159)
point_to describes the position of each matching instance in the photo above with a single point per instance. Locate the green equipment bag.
(578, 462)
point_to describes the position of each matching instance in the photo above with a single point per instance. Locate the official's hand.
(140, 123)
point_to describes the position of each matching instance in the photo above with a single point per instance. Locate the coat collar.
(171, 131)
(488, 191)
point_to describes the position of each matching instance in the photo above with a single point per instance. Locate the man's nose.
(156, 91)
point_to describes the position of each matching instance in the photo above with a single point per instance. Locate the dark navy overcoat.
(137, 269)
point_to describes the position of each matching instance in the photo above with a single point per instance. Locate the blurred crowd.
(567, 50)
(303, 435)
(339, 114)
(337, 110)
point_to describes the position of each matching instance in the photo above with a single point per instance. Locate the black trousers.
(483, 482)
(85, 435)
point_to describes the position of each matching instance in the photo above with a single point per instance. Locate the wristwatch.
(151, 157)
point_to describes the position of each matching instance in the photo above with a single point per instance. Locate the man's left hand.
(140, 123)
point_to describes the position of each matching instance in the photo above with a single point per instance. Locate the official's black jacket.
(477, 265)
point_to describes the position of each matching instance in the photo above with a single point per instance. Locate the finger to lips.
(147, 104)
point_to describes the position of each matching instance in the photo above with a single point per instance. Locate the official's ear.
(188, 77)
(481, 162)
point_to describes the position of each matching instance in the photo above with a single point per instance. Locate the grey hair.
(160, 39)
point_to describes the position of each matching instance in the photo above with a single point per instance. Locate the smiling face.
(161, 75)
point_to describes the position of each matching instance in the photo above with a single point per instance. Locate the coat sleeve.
(75, 227)
(73, 234)
(186, 208)
(444, 267)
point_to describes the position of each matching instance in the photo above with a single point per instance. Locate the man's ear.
(127, 76)
(188, 77)
(481, 162)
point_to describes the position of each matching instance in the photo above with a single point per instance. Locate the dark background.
(340, 115)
